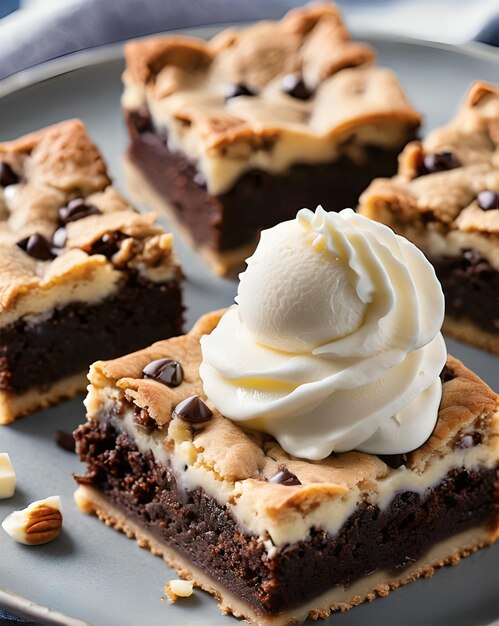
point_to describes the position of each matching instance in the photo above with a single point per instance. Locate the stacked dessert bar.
(82, 274)
(232, 135)
(445, 198)
(180, 455)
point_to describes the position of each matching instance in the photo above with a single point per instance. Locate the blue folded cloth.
(46, 30)
(490, 32)
(11, 620)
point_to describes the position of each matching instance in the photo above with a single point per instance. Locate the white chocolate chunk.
(38, 523)
(178, 589)
(7, 477)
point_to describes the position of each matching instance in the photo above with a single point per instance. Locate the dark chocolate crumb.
(7, 175)
(439, 162)
(142, 119)
(285, 477)
(144, 420)
(446, 374)
(468, 441)
(37, 246)
(76, 210)
(167, 371)
(239, 89)
(473, 265)
(294, 86)
(65, 440)
(405, 562)
(193, 410)
(394, 460)
(488, 200)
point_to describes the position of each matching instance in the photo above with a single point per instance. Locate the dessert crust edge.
(12, 407)
(91, 502)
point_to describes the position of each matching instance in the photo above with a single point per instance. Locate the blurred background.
(35, 31)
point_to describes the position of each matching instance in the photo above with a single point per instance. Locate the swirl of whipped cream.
(335, 342)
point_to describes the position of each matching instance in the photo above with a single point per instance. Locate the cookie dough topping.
(334, 344)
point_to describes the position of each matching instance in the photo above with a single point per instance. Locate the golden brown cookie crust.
(236, 454)
(190, 75)
(56, 165)
(446, 201)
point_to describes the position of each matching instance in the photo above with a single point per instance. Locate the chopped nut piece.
(175, 589)
(38, 523)
(7, 477)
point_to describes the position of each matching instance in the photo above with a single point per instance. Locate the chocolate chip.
(394, 460)
(440, 162)
(107, 245)
(193, 410)
(76, 210)
(468, 441)
(294, 86)
(239, 89)
(446, 374)
(65, 440)
(488, 200)
(167, 371)
(7, 175)
(59, 238)
(285, 477)
(37, 246)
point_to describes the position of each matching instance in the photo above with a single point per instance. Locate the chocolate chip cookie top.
(247, 89)
(239, 454)
(62, 221)
(451, 178)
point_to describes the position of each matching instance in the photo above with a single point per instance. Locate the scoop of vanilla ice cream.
(295, 296)
(335, 343)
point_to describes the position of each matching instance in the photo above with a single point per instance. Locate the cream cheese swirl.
(334, 343)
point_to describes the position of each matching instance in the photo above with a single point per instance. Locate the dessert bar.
(280, 476)
(270, 535)
(445, 198)
(227, 135)
(82, 274)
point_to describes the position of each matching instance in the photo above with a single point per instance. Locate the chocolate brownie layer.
(467, 280)
(209, 536)
(37, 354)
(258, 200)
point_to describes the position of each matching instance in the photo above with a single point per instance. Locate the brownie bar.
(139, 313)
(445, 199)
(258, 200)
(276, 537)
(257, 120)
(208, 535)
(469, 279)
(80, 269)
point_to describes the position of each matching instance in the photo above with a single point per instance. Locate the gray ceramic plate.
(100, 576)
